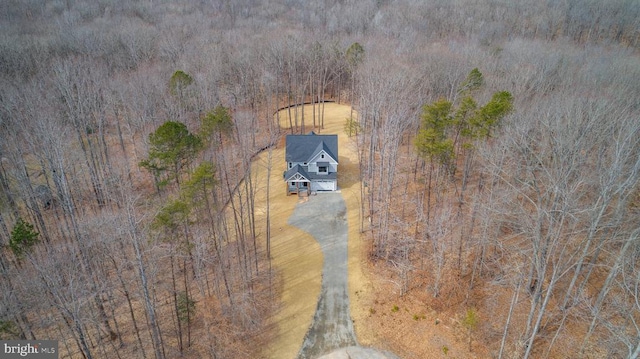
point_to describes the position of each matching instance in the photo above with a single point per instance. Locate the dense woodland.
(499, 148)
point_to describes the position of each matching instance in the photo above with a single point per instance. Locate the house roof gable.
(297, 169)
(302, 148)
(322, 147)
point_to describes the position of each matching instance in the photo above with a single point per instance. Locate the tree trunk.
(514, 301)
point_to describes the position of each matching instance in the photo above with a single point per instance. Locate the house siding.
(313, 167)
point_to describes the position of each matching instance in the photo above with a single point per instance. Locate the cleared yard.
(296, 255)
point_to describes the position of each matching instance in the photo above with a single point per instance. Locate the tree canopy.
(172, 147)
(432, 139)
(23, 237)
(200, 184)
(443, 125)
(355, 54)
(179, 81)
(216, 122)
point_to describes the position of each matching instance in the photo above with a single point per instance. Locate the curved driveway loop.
(324, 217)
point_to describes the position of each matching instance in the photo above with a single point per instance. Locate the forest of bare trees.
(499, 147)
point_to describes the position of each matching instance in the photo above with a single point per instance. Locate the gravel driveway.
(331, 332)
(324, 217)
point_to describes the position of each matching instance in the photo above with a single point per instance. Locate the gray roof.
(301, 148)
(294, 170)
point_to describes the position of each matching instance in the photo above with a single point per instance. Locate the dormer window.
(322, 169)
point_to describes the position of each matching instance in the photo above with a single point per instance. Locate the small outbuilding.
(312, 163)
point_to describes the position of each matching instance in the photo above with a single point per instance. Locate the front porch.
(301, 188)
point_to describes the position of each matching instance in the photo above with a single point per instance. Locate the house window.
(305, 164)
(322, 155)
(289, 165)
(322, 169)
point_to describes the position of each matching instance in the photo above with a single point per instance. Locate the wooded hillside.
(499, 148)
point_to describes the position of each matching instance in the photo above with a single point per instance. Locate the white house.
(312, 163)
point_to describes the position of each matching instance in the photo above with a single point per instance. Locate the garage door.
(323, 185)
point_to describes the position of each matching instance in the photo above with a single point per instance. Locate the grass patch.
(445, 349)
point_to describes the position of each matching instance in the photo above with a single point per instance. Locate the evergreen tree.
(432, 140)
(215, 124)
(172, 148)
(179, 81)
(23, 237)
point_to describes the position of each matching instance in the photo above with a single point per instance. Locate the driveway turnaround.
(358, 353)
(324, 217)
